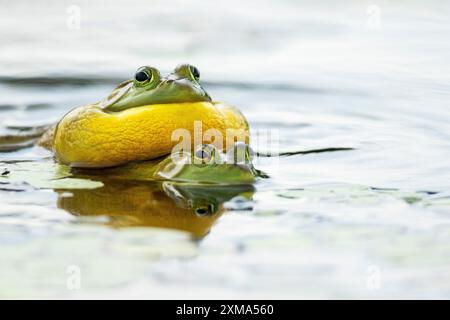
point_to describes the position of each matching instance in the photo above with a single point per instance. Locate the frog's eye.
(195, 72)
(204, 154)
(143, 75)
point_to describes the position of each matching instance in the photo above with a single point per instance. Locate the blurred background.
(372, 222)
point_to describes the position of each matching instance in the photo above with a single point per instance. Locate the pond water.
(371, 222)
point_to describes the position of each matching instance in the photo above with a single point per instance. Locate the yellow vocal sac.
(90, 137)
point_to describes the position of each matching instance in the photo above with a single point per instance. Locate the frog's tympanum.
(138, 119)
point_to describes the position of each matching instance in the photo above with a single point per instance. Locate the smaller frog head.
(207, 164)
(150, 87)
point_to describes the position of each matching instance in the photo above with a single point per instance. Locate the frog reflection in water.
(190, 208)
(185, 194)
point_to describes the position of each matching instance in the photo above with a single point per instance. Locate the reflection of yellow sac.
(89, 137)
(136, 204)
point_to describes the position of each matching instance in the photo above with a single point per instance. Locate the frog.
(206, 165)
(138, 119)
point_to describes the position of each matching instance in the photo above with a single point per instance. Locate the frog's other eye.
(204, 154)
(195, 72)
(144, 75)
(187, 71)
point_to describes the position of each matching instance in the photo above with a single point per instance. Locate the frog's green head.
(208, 165)
(150, 87)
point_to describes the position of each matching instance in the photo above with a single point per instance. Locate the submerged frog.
(138, 119)
(206, 165)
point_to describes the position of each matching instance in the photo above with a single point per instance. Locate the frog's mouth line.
(166, 92)
(121, 90)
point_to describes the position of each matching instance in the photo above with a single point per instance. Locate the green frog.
(136, 121)
(205, 165)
